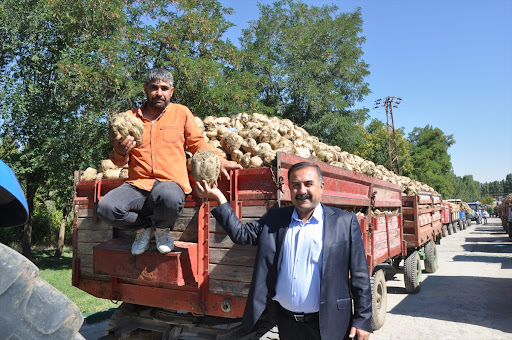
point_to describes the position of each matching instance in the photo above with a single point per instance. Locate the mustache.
(302, 196)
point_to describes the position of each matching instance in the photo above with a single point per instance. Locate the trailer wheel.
(31, 308)
(445, 230)
(412, 273)
(431, 264)
(379, 299)
(461, 225)
(449, 228)
(454, 227)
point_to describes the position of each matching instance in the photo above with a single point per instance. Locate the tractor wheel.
(412, 273)
(431, 263)
(379, 299)
(31, 308)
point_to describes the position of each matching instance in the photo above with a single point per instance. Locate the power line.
(389, 103)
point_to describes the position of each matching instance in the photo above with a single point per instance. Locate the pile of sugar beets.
(253, 141)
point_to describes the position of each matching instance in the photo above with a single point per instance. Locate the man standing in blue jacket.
(306, 254)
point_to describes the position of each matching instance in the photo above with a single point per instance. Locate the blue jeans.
(128, 207)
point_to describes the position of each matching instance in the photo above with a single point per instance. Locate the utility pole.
(388, 103)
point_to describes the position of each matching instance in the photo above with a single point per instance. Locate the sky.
(449, 60)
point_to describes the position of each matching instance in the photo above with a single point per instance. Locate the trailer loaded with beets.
(199, 290)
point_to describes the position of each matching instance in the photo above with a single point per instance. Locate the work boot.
(164, 241)
(141, 243)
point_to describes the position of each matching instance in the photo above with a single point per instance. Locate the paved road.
(468, 297)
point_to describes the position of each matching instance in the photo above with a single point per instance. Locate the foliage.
(430, 158)
(124, 39)
(376, 147)
(497, 188)
(45, 222)
(310, 68)
(464, 188)
(487, 200)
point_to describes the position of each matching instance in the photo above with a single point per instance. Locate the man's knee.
(169, 194)
(105, 210)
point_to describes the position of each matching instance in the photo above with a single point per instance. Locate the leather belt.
(300, 317)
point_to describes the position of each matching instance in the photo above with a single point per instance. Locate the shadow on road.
(482, 301)
(506, 262)
(495, 248)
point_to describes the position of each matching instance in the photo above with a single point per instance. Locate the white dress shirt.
(298, 280)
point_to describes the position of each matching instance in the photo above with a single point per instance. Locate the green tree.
(109, 63)
(375, 148)
(309, 62)
(507, 185)
(430, 158)
(487, 200)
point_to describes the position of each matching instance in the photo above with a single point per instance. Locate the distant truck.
(477, 212)
(465, 212)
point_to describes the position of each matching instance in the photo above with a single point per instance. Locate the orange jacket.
(161, 154)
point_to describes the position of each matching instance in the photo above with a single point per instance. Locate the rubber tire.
(454, 227)
(379, 299)
(31, 308)
(412, 273)
(461, 225)
(445, 230)
(431, 263)
(449, 227)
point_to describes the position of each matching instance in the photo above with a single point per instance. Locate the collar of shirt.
(317, 217)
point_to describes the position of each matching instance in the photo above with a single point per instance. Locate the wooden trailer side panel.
(231, 265)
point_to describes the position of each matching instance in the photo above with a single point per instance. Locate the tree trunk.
(32, 185)
(62, 230)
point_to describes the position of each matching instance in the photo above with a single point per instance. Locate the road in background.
(468, 297)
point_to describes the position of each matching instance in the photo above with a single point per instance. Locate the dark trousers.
(290, 329)
(128, 207)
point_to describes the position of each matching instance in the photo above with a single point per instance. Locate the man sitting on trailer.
(306, 253)
(153, 197)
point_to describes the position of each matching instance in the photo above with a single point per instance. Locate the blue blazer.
(343, 253)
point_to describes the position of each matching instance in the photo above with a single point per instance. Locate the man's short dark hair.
(302, 165)
(159, 74)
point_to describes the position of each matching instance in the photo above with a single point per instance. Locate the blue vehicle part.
(13, 205)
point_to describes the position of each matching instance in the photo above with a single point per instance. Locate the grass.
(57, 272)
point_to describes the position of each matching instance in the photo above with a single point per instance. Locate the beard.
(157, 102)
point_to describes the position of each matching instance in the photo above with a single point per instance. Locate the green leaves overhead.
(430, 158)
(309, 62)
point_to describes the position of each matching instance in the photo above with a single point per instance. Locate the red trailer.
(450, 219)
(199, 290)
(422, 231)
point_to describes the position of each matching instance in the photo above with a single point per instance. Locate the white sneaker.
(141, 243)
(164, 241)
